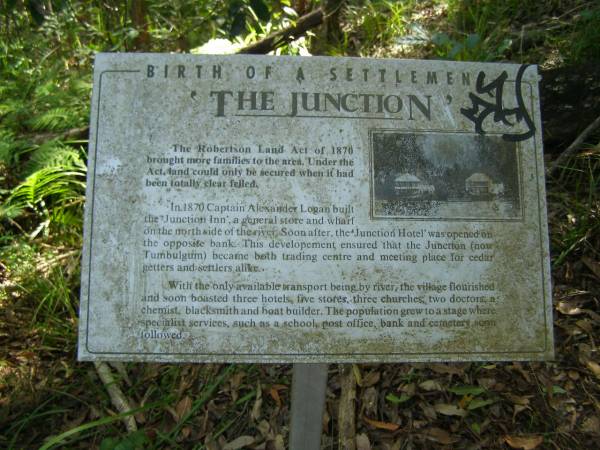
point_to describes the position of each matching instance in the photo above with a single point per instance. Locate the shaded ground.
(474, 405)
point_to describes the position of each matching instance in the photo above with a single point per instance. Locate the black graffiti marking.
(481, 108)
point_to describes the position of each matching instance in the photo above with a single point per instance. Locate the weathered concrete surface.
(250, 208)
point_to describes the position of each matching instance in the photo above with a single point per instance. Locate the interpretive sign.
(253, 208)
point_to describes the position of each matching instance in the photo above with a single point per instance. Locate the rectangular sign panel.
(254, 208)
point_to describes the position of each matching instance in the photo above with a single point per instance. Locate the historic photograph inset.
(444, 176)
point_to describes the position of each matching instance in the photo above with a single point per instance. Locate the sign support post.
(309, 384)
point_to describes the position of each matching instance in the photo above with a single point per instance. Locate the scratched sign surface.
(246, 208)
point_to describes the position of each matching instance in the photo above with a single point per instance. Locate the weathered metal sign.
(251, 208)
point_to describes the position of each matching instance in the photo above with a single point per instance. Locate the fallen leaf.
(518, 399)
(418, 424)
(278, 443)
(211, 445)
(26, 356)
(397, 445)
(439, 435)
(236, 380)
(241, 442)
(591, 425)
(397, 400)
(369, 401)
(275, 396)
(408, 389)
(568, 308)
(452, 369)
(182, 408)
(464, 390)
(518, 367)
(255, 414)
(371, 379)
(524, 442)
(479, 403)
(362, 442)
(430, 385)
(428, 410)
(382, 425)
(594, 367)
(265, 428)
(357, 375)
(463, 402)
(585, 325)
(487, 383)
(185, 432)
(517, 409)
(449, 410)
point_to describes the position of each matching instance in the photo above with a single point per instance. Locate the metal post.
(309, 382)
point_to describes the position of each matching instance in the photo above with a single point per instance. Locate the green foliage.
(46, 65)
(586, 37)
(491, 18)
(53, 191)
(394, 399)
(55, 119)
(45, 90)
(369, 26)
(471, 48)
(576, 205)
(133, 441)
(74, 432)
(48, 285)
(467, 390)
(11, 148)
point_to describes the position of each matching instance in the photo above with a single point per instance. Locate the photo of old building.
(410, 186)
(443, 175)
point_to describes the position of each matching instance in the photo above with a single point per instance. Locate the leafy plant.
(470, 48)
(576, 207)
(133, 441)
(53, 192)
(586, 35)
(369, 26)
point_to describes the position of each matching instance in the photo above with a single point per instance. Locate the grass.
(48, 400)
(575, 203)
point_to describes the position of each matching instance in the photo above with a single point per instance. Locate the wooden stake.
(573, 147)
(309, 382)
(279, 38)
(347, 408)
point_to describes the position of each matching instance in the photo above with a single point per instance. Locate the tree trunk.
(138, 18)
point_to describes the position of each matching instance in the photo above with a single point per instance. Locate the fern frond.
(11, 148)
(47, 92)
(52, 153)
(56, 119)
(81, 88)
(11, 110)
(70, 216)
(7, 142)
(47, 189)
